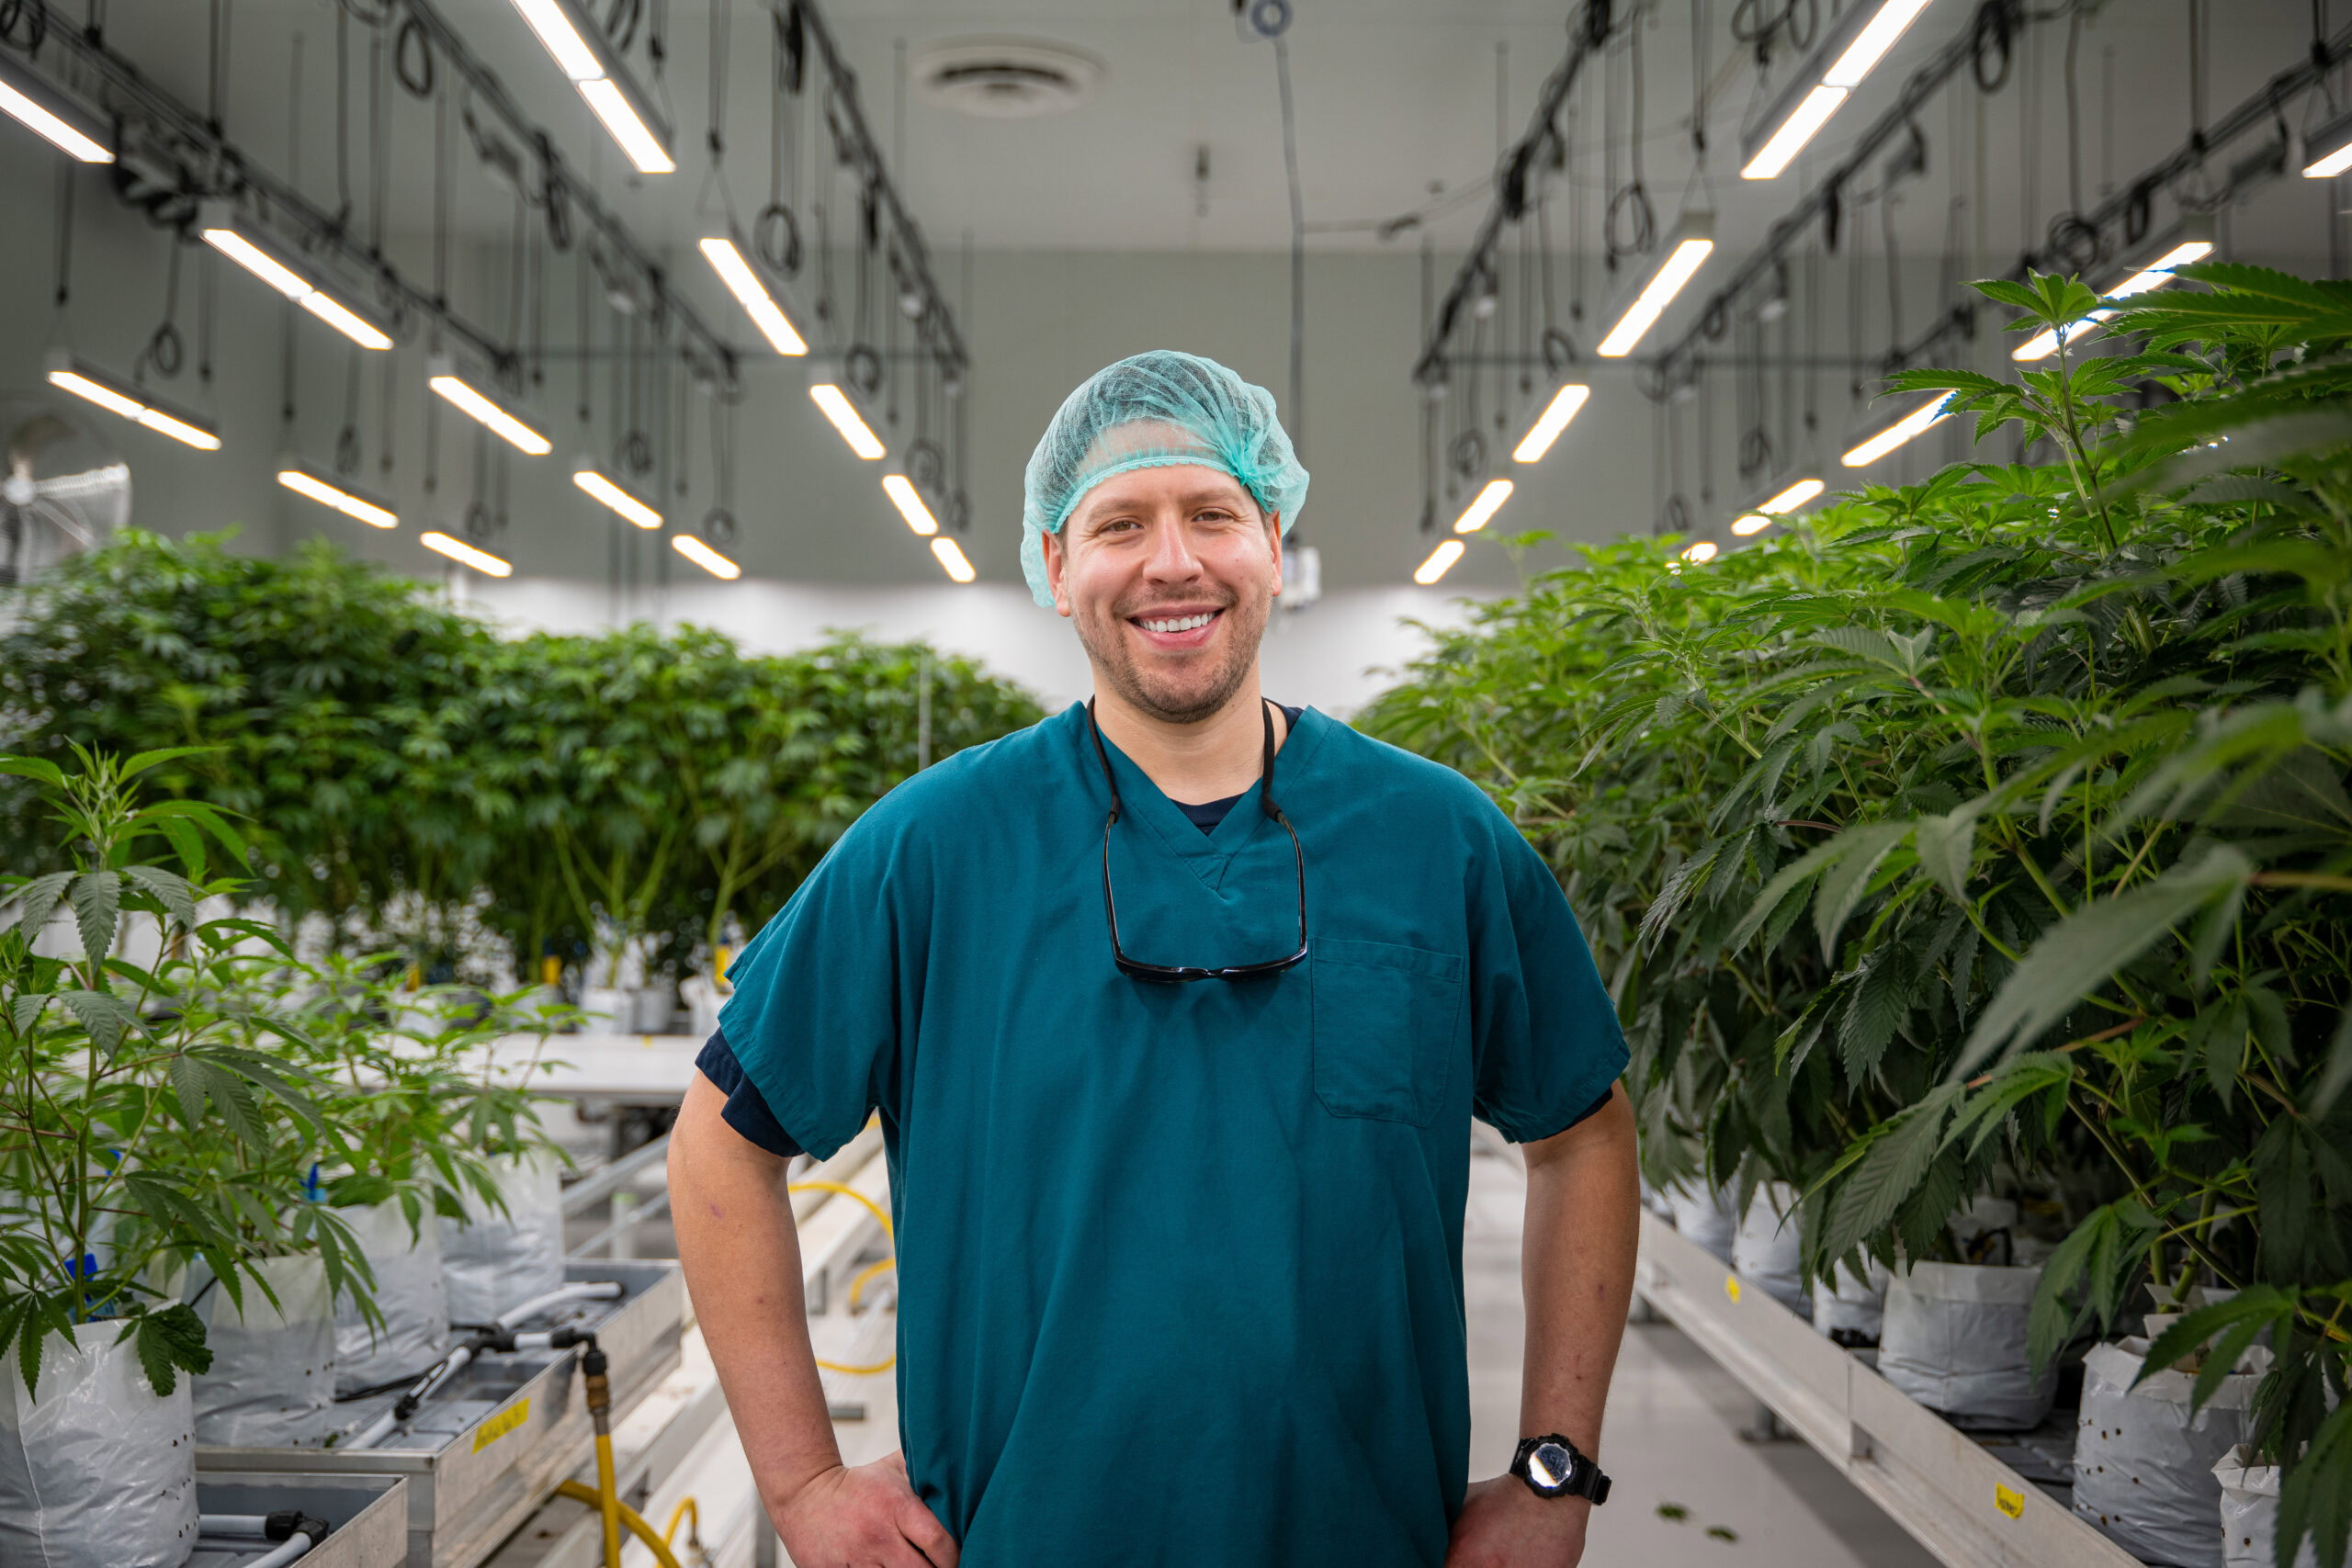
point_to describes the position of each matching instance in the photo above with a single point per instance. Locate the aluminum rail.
(601, 1184)
(1586, 37)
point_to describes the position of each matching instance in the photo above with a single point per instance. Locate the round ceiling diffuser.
(1005, 78)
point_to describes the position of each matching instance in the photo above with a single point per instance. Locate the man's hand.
(1503, 1525)
(861, 1518)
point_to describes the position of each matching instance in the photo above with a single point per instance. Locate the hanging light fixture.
(1701, 551)
(2191, 239)
(908, 500)
(1550, 422)
(2328, 152)
(253, 247)
(703, 556)
(760, 293)
(1888, 437)
(1483, 506)
(1447, 552)
(71, 373)
(1856, 43)
(465, 554)
(1790, 499)
(1687, 251)
(1753, 524)
(615, 495)
(580, 52)
(830, 393)
(331, 489)
(51, 116)
(450, 382)
(951, 557)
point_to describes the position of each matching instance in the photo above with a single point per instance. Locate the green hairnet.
(1159, 410)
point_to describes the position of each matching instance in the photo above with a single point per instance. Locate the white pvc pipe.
(255, 1525)
(582, 1291)
(296, 1545)
(374, 1432)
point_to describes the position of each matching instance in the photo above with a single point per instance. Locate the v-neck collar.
(1209, 855)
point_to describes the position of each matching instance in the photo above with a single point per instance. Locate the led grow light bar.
(2195, 242)
(1789, 500)
(1447, 552)
(2329, 152)
(40, 109)
(580, 52)
(70, 373)
(259, 252)
(908, 500)
(445, 381)
(1702, 551)
(1694, 240)
(588, 478)
(1857, 42)
(756, 294)
(333, 490)
(703, 556)
(1920, 419)
(1483, 507)
(1551, 422)
(465, 554)
(1754, 523)
(843, 412)
(951, 555)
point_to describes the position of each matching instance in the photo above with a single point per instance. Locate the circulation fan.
(63, 491)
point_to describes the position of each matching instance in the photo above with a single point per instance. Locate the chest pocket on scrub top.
(1384, 1029)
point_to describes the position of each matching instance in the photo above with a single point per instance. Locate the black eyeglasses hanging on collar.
(1177, 975)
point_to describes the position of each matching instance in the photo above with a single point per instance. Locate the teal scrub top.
(1180, 1267)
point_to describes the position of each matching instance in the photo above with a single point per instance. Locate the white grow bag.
(273, 1367)
(495, 1261)
(2143, 1465)
(1764, 1249)
(2250, 1513)
(409, 1293)
(1704, 1213)
(1852, 1305)
(1954, 1338)
(98, 1471)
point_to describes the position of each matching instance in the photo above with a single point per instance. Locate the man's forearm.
(742, 1255)
(1577, 1270)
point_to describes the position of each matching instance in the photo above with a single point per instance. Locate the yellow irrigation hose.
(628, 1516)
(873, 1208)
(857, 1286)
(688, 1511)
(608, 1498)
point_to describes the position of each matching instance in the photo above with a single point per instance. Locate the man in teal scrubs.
(1176, 1009)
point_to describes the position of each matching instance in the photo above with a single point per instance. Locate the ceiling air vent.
(1005, 78)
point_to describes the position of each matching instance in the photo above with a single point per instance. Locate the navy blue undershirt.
(747, 1111)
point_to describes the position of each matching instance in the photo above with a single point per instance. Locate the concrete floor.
(1671, 1438)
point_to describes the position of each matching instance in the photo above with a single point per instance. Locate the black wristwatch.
(1553, 1467)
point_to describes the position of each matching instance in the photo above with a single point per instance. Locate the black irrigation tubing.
(2135, 198)
(1587, 34)
(197, 134)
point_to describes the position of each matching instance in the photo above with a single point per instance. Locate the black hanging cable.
(1295, 416)
(216, 59)
(443, 196)
(342, 116)
(347, 454)
(380, 140)
(720, 20)
(65, 235)
(165, 352)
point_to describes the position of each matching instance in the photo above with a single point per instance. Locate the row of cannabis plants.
(485, 804)
(1988, 840)
(228, 1177)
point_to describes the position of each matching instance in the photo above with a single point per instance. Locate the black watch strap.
(1582, 1478)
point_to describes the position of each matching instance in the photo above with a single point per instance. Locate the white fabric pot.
(2250, 1513)
(1764, 1249)
(604, 1010)
(703, 999)
(1850, 1306)
(494, 1262)
(273, 1367)
(98, 1471)
(1704, 1213)
(651, 1009)
(2143, 1465)
(409, 1292)
(1953, 1338)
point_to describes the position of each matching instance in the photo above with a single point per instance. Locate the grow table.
(484, 1453)
(369, 1514)
(1953, 1492)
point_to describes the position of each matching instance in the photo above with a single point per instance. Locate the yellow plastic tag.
(500, 1424)
(1731, 1286)
(2009, 1500)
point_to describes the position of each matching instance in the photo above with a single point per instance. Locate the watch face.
(1550, 1466)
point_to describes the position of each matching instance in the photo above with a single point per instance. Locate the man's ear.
(1056, 569)
(1274, 526)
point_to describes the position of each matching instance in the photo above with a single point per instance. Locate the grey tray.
(482, 1456)
(369, 1514)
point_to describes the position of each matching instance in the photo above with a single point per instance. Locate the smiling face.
(1169, 575)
